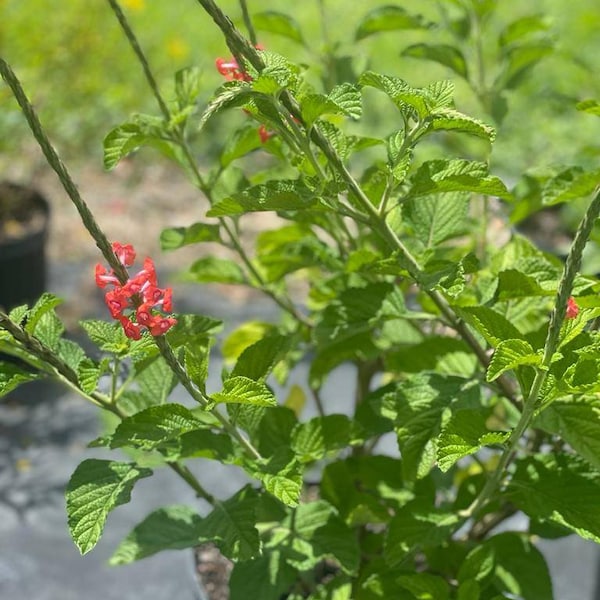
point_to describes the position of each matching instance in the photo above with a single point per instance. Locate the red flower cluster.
(139, 298)
(231, 70)
(572, 308)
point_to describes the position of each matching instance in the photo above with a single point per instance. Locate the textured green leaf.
(109, 337)
(231, 526)
(156, 381)
(274, 195)
(152, 427)
(12, 376)
(464, 434)
(244, 336)
(95, 488)
(230, 94)
(456, 175)
(447, 119)
(212, 269)
(257, 361)
(437, 217)
(169, 528)
(17, 314)
(280, 23)
(70, 352)
(45, 304)
(243, 141)
(314, 439)
(177, 237)
(188, 86)
(444, 54)
(510, 354)
(243, 390)
(412, 528)
(417, 407)
(578, 424)
(88, 374)
(489, 323)
(570, 184)
(478, 565)
(389, 18)
(348, 99)
(561, 489)
(425, 586)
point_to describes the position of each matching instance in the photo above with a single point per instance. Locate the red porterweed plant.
(465, 348)
(139, 303)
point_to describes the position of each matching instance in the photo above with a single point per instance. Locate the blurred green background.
(77, 67)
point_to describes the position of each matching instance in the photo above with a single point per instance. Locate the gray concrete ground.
(44, 431)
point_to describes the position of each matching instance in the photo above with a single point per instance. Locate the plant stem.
(557, 317)
(248, 22)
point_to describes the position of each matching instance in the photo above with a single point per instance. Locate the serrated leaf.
(243, 141)
(230, 94)
(244, 336)
(464, 434)
(243, 390)
(314, 439)
(412, 527)
(70, 352)
(46, 303)
(456, 175)
(12, 376)
(447, 119)
(389, 18)
(444, 54)
(489, 323)
(177, 237)
(95, 488)
(280, 23)
(560, 489)
(274, 195)
(49, 330)
(578, 424)
(187, 86)
(156, 381)
(88, 374)
(212, 269)
(510, 354)
(154, 426)
(437, 217)
(17, 314)
(258, 360)
(231, 526)
(348, 99)
(169, 528)
(108, 336)
(570, 184)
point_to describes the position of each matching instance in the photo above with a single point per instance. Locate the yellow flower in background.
(134, 4)
(177, 48)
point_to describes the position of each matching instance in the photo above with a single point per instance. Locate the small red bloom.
(572, 308)
(104, 277)
(124, 252)
(264, 134)
(161, 325)
(143, 314)
(117, 301)
(132, 330)
(230, 69)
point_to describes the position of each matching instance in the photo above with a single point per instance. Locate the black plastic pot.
(22, 257)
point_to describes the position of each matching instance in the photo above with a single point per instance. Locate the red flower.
(138, 303)
(231, 70)
(572, 308)
(264, 134)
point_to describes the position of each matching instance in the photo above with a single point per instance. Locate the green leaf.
(437, 217)
(277, 22)
(49, 330)
(570, 184)
(142, 130)
(212, 269)
(12, 376)
(244, 336)
(154, 426)
(258, 360)
(478, 565)
(88, 374)
(412, 528)
(520, 567)
(444, 54)
(243, 141)
(578, 424)
(177, 237)
(464, 434)
(275, 195)
(70, 352)
(156, 381)
(17, 314)
(560, 489)
(109, 337)
(230, 94)
(314, 439)
(346, 97)
(510, 354)
(456, 175)
(425, 586)
(447, 119)
(187, 86)
(523, 28)
(95, 488)
(490, 324)
(591, 107)
(231, 526)
(243, 390)
(169, 528)
(389, 18)
(417, 408)
(520, 60)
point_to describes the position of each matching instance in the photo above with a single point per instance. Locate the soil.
(213, 571)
